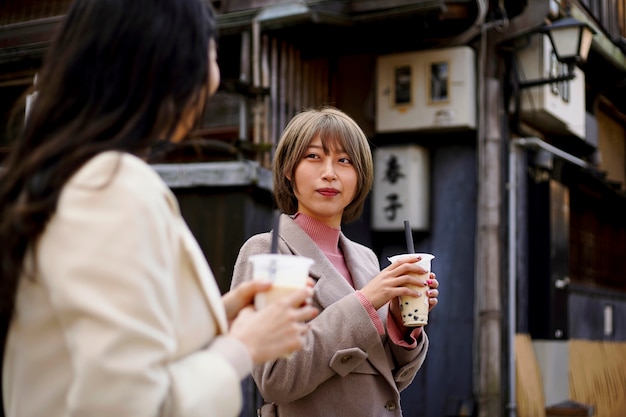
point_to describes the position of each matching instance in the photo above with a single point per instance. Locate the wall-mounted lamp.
(571, 41)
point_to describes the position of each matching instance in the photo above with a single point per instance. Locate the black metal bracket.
(535, 83)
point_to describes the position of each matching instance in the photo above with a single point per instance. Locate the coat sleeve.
(406, 361)
(111, 263)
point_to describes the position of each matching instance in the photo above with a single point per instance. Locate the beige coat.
(346, 368)
(123, 317)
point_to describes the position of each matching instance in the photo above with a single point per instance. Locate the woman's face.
(324, 184)
(194, 111)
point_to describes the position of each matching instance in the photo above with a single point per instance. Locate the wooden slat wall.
(598, 230)
(598, 376)
(25, 10)
(612, 146)
(610, 14)
(529, 386)
(621, 16)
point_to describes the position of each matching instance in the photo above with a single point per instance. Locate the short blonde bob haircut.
(336, 130)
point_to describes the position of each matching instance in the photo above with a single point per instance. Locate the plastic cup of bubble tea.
(287, 273)
(415, 309)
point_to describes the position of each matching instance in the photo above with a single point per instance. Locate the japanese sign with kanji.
(401, 188)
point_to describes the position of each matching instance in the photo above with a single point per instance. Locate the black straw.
(274, 248)
(409, 237)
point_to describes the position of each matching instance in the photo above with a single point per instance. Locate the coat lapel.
(331, 286)
(201, 269)
(363, 271)
(205, 278)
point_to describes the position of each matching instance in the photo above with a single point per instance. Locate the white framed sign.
(401, 188)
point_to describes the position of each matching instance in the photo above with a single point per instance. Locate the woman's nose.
(328, 172)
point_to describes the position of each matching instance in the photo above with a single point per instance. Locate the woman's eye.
(310, 156)
(345, 160)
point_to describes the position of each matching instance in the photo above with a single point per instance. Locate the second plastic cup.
(286, 272)
(415, 309)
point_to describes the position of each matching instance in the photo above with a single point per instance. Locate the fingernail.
(430, 281)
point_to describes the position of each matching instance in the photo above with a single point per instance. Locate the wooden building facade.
(524, 205)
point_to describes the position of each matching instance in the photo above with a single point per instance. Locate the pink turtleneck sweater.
(327, 239)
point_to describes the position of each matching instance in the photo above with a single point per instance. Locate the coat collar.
(330, 284)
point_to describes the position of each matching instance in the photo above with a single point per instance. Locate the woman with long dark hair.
(107, 305)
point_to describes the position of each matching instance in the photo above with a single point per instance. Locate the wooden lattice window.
(25, 10)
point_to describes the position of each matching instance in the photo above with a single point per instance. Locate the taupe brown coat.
(346, 368)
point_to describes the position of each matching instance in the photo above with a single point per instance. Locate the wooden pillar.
(489, 245)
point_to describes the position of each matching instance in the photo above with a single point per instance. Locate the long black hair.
(117, 76)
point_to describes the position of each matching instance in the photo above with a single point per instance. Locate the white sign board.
(401, 188)
(433, 89)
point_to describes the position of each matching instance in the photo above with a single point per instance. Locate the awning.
(240, 14)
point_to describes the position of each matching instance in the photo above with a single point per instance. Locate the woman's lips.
(329, 192)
